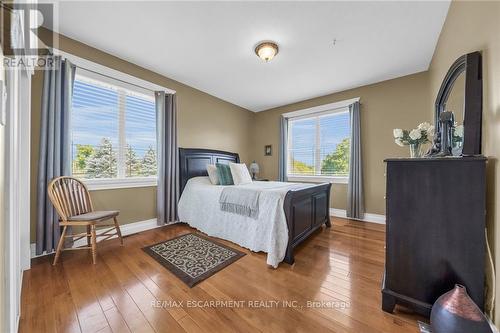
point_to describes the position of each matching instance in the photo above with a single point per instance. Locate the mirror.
(456, 104)
(461, 92)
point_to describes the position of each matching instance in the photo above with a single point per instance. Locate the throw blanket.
(242, 201)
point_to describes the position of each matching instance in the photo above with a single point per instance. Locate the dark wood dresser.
(435, 230)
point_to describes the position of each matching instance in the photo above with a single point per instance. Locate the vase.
(456, 312)
(415, 150)
(456, 149)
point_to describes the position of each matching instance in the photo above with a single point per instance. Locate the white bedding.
(199, 207)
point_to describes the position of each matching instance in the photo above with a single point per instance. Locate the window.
(113, 131)
(319, 145)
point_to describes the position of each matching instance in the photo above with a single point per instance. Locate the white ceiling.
(210, 45)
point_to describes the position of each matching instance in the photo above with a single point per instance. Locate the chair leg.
(59, 246)
(94, 243)
(89, 240)
(117, 226)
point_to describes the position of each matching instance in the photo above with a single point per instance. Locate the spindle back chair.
(73, 204)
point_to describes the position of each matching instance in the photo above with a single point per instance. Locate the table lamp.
(254, 169)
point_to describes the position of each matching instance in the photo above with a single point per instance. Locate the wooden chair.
(72, 202)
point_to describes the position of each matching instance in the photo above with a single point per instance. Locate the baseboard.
(133, 228)
(126, 229)
(372, 218)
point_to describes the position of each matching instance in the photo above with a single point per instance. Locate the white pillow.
(212, 174)
(240, 173)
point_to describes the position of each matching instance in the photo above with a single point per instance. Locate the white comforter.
(199, 207)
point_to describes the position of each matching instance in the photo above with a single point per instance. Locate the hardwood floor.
(128, 291)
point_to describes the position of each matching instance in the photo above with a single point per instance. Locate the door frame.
(17, 183)
(16, 256)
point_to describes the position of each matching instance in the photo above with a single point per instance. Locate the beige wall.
(398, 103)
(204, 121)
(475, 26)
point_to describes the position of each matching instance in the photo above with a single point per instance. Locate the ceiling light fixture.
(266, 50)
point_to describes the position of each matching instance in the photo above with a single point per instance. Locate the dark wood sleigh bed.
(306, 209)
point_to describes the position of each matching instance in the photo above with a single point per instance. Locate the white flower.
(424, 126)
(415, 134)
(459, 131)
(430, 132)
(399, 142)
(398, 133)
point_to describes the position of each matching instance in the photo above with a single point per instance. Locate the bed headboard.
(193, 162)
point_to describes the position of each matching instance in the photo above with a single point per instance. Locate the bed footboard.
(306, 209)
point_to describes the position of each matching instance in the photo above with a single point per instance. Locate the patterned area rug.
(192, 257)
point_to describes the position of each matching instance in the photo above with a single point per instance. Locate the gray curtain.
(55, 147)
(355, 204)
(168, 160)
(282, 158)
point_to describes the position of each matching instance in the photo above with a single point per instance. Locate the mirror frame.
(471, 64)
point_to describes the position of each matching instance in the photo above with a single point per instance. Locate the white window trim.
(86, 65)
(113, 73)
(319, 179)
(327, 108)
(331, 108)
(116, 183)
(121, 181)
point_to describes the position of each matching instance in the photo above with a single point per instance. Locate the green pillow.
(224, 172)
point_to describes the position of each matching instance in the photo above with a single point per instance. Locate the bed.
(289, 212)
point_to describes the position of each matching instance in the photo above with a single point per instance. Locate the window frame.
(316, 112)
(100, 70)
(114, 183)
